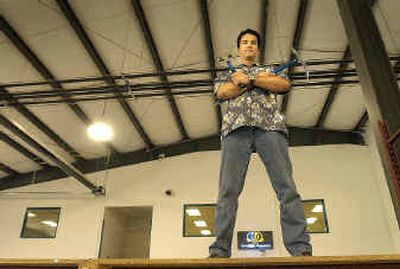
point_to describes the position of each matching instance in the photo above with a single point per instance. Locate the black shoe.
(305, 253)
(216, 256)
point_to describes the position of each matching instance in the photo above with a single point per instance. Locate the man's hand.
(239, 78)
(233, 87)
(265, 74)
(271, 82)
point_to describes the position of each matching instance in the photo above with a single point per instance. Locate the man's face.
(248, 48)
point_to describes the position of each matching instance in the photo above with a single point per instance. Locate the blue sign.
(260, 240)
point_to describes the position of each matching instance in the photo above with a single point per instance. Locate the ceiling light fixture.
(193, 212)
(317, 209)
(100, 131)
(205, 232)
(49, 223)
(200, 223)
(311, 220)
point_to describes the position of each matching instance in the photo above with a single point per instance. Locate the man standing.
(252, 121)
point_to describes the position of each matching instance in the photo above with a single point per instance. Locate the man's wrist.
(252, 79)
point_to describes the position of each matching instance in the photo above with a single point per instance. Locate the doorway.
(126, 232)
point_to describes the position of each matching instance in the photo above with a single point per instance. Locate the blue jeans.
(272, 148)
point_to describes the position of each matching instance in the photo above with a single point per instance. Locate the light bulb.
(100, 131)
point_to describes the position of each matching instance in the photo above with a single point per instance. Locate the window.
(40, 223)
(198, 220)
(316, 216)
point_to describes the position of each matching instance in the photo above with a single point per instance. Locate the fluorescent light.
(205, 232)
(311, 220)
(317, 209)
(31, 215)
(49, 223)
(200, 223)
(100, 131)
(193, 212)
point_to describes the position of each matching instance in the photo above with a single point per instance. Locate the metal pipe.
(66, 167)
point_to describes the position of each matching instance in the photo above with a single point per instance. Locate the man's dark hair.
(251, 32)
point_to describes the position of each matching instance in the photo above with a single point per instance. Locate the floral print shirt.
(255, 108)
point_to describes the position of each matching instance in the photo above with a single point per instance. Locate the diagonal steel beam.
(13, 36)
(210, 51)
(380, 87)
(21, 149)
(361, 123)
(397, 65)
(364, 118)
(301, 15)
(42, 69)
(90, 48)
(41, 125)
(66, 167)
(334, 88)
(263, 29)
(140, 15)
(8, 170)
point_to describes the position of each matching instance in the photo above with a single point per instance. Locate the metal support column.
(380, 88)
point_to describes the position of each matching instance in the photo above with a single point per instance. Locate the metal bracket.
(99, 191)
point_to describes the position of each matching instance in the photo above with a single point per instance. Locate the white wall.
(346, 176)
(77, 236)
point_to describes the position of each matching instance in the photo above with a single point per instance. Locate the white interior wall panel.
(113, 28)
(346, 109)
(182, 44)
(35, 133)
(16, 160)
(387, 17)
(305, 106)
(281, 25)
(225, 25)
(26, 146)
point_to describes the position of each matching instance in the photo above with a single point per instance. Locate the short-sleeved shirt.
(254, 108)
